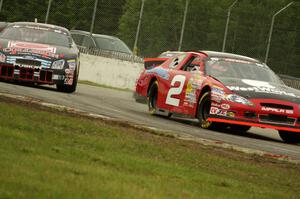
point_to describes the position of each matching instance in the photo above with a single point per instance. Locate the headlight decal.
(58, 64)
(238, 99)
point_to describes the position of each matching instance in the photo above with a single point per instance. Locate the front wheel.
(203, 114)
(289, 137)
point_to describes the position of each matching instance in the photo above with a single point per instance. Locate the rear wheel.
(203, 114)
(152, 97)
(289, 137)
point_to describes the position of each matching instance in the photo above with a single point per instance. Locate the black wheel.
(239, 128)
(289, 137)
(68, 88)
(152, 97)
(203, 114)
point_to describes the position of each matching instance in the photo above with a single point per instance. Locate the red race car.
(221, 90)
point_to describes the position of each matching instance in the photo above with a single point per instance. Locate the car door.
(172, 92)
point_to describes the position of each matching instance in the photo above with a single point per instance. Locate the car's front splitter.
(249, 123)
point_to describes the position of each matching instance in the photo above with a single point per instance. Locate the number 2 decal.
(175, 90)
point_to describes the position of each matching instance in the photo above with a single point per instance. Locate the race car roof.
(42, 25)
(94, 34)
(228, 55)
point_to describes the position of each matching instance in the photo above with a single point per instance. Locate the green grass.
(49, 155)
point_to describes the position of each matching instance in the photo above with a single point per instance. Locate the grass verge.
(44, 154)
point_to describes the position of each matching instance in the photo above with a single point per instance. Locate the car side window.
(176, 61)
(78, 38)
(88, 42)
(193, 64)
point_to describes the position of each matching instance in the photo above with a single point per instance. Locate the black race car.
(40, 54)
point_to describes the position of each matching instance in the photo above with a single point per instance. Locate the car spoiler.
(153, 62)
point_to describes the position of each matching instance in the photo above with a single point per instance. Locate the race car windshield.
(112, 45)
(36, 35)
(240, 69)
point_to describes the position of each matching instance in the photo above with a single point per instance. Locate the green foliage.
(248, 29)
(73, 14)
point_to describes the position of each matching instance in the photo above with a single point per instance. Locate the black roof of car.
(93, 34)
(43, 25)
(229, 55)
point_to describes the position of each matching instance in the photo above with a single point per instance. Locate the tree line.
(248, 30)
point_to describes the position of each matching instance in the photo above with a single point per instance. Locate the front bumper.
(265, 113)
(31, 74)
(251, 123)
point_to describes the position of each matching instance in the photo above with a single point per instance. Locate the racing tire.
(152, 98)
(289, 137)
(203, 114)
(239, 128)
(68, 88)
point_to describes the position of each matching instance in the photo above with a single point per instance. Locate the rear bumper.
(256, 124)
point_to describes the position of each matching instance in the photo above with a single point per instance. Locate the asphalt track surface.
(121, 105)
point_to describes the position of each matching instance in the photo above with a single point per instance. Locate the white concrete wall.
(109, 72)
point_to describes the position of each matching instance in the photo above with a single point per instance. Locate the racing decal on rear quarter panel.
(160, 72)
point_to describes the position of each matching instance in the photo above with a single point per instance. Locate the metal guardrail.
(291, 81)
(111, 54)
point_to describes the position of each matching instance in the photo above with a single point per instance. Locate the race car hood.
(254, 89)
(9, 47)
